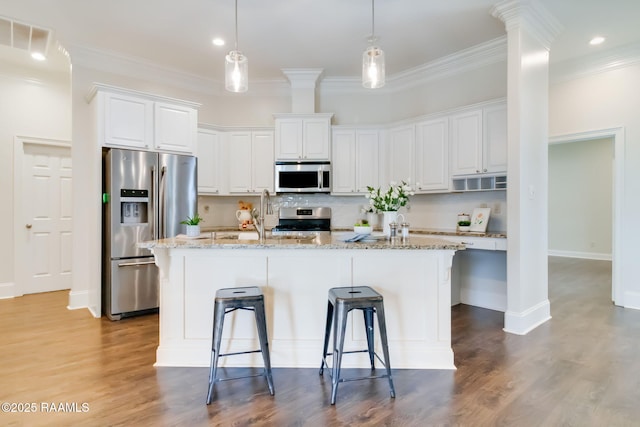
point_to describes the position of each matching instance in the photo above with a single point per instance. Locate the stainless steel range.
(303, 221)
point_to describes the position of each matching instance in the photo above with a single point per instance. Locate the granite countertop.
(327, 241)
(417, 231)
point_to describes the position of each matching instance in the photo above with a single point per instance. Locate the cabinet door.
(466, 143)
(343, 168)
(400, 154)
(239, 148)
(262, 161)
(495, 139)
(315, 136)
(209, 151)
(367, 159)
(432, 158)
(175, 127)
(127, 121)
(288, 139)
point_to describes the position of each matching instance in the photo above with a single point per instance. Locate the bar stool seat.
(341, 301)
(228, 300)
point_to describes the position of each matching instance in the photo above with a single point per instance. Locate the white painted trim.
(581, 255)
(526, 321)
(7, 290)
(632, 300)
(618, 293)
(19, 266)
(78, 300)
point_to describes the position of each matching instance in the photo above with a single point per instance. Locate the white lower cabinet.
(355, 162)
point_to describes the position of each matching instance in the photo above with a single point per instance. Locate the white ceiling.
(328, 34)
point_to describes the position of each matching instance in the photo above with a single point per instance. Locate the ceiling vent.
(26, 37)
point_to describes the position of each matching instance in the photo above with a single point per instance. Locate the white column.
(530, 30)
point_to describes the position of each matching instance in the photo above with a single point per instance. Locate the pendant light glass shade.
(236, 67)
(373, 59)
(236, 72)
(373, 68)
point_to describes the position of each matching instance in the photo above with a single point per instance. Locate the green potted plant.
(362, 227)
(193, 225)
(464, 225)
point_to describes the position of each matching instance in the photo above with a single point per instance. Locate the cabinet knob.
(484, 170)
(28, 226)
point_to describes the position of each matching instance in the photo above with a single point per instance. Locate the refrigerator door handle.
(154, 204)
(135, 264)
(162, 203)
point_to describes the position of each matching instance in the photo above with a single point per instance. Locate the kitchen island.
(295, 275)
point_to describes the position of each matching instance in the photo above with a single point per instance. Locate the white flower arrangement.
(396, 196)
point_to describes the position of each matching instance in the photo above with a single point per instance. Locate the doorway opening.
(572, 231)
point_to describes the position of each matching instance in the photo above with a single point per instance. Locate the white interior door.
(44, 254)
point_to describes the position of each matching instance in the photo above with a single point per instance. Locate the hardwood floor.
(581, 368)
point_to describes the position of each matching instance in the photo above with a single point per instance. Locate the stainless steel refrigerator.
(145, 197)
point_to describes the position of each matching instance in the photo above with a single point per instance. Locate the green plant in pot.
(193, 225)
(464, 225)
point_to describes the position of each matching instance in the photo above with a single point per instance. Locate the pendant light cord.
(237, 25)
(373, 28)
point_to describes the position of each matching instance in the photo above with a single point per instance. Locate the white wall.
(34, 103)
(580, 199)
(603, 101)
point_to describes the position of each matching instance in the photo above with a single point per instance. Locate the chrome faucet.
(269, 211)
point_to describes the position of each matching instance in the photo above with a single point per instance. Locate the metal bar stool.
(341, 302)
(229, 300)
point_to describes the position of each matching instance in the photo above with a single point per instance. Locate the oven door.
(299, 177)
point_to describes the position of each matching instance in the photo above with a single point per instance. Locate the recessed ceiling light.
(218, 41)
(596, 40)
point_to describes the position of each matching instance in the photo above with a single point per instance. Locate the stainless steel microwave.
(303, 177)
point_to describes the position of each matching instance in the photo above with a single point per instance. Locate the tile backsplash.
(438, 211)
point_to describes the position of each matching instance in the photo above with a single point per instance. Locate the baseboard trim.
(78, 300)
(7, 290)
(583, 255)
(524, 322)
(632, 300)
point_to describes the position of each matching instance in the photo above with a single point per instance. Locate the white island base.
(415, 284)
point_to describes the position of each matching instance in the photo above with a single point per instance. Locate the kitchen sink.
(254, 236)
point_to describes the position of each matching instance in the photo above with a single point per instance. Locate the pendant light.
(373, 60)
(236, 67)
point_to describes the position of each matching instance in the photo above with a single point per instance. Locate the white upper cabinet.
(175, 127)
(250, 161)
(495, 138)
(209, 162)
(355, 160)
(432, 155)
(129, 119)
(303, 137)
(401, 149)
(479, 141)
(466, 143)
(125, 121)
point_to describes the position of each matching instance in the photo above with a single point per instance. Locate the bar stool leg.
(385, 345)
(218, 322)
(261, 324)
(340, 327)
(368, 324)
(327, 335)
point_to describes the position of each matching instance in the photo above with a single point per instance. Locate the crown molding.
(531, 16)
(589, 65)
(481, 55)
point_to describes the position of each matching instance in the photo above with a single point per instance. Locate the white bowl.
(362, 229)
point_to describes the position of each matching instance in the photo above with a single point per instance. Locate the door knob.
(28, 226)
